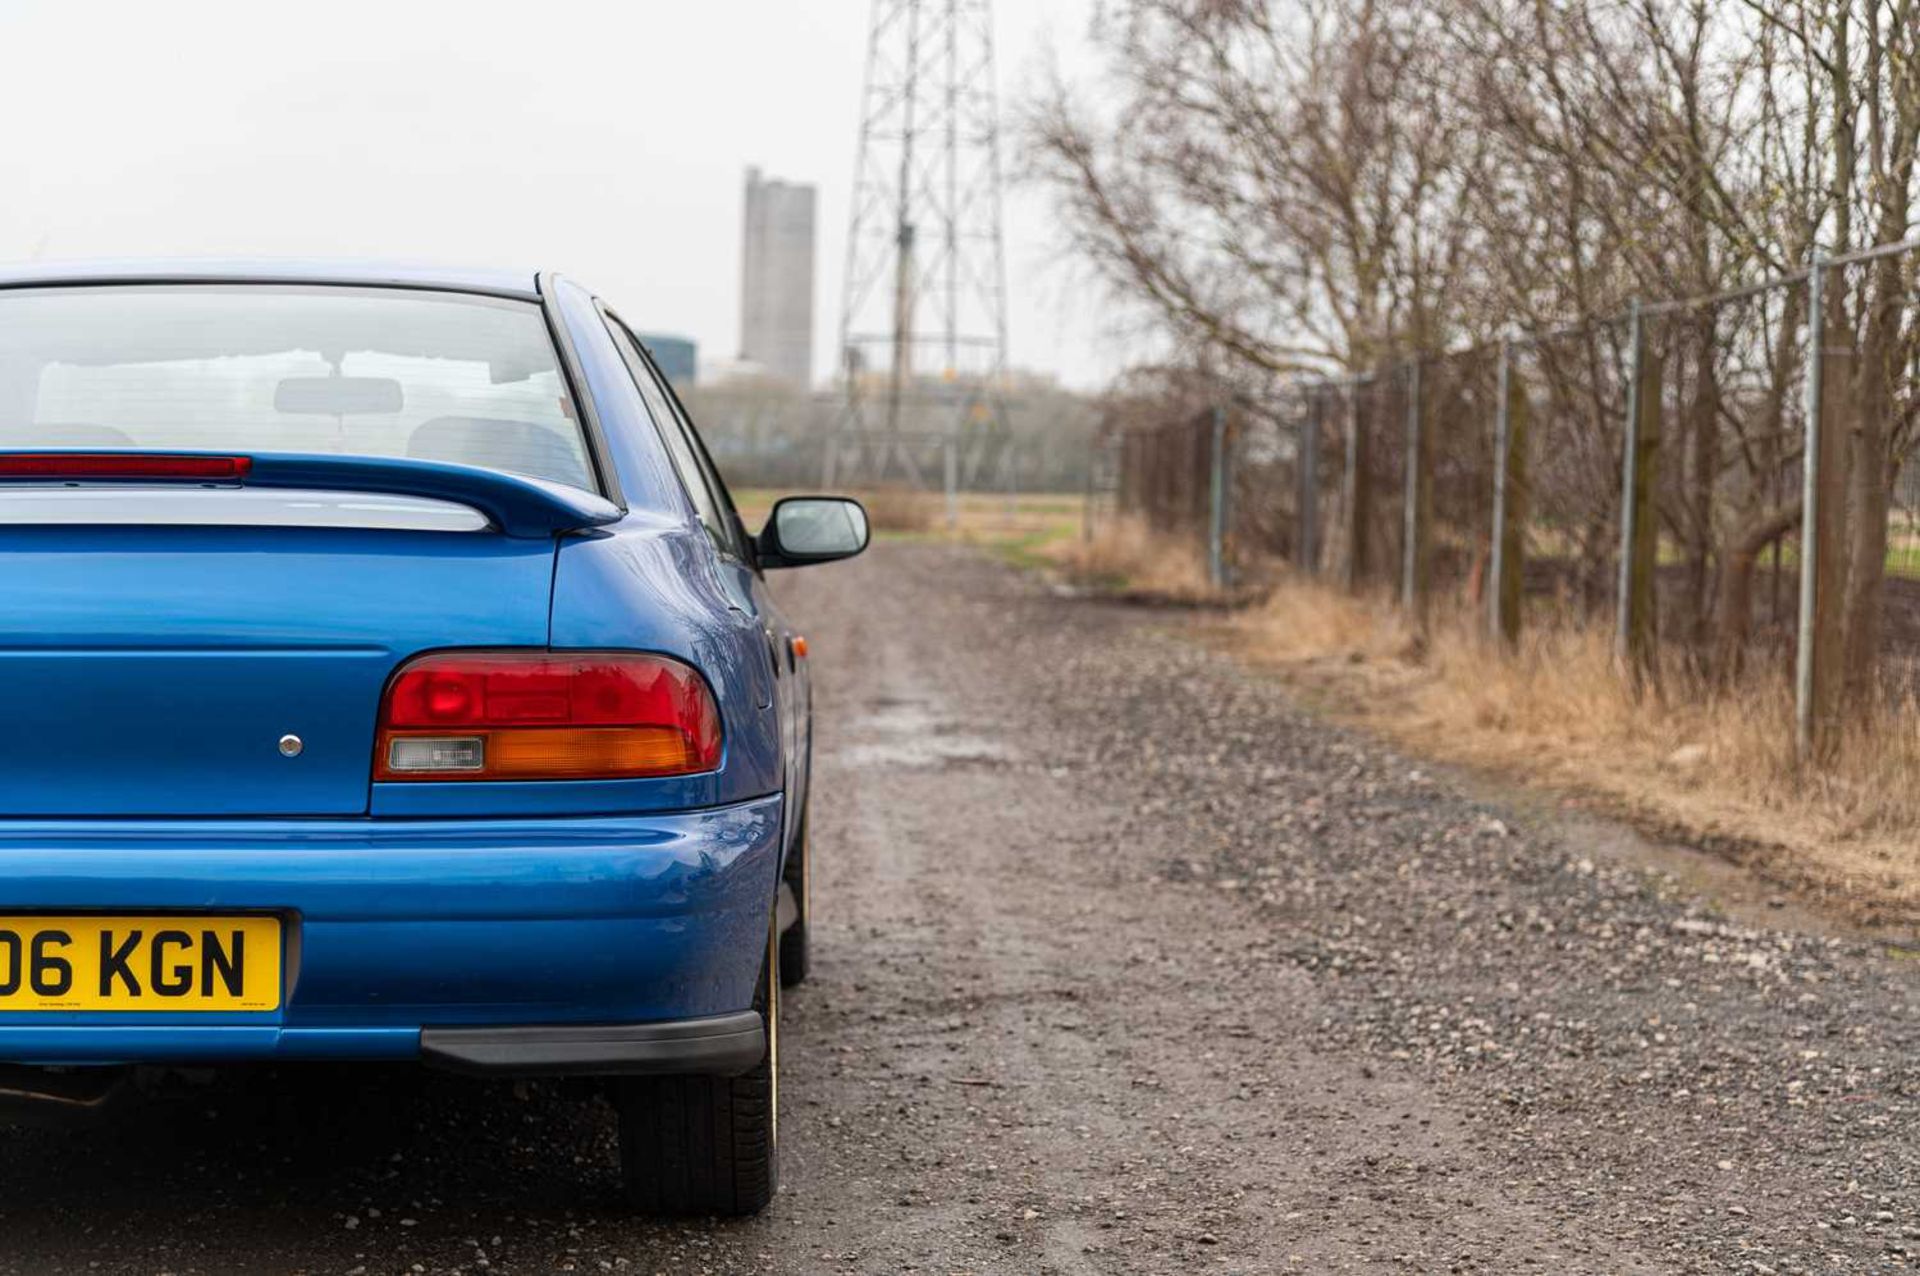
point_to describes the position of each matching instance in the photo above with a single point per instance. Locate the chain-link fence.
(1223, 475)
(1650, 472)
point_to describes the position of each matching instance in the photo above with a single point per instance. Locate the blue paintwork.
(154, 668)
(518, 504)
(404, 923)
(148, 672)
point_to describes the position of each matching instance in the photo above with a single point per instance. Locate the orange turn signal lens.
(584, 753)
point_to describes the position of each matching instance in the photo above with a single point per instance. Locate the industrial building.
(776, 278)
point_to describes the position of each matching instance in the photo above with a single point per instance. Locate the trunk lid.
(154, 670)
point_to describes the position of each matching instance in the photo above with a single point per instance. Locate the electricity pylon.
(923, 319)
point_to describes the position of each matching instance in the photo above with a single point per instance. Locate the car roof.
(507, 283)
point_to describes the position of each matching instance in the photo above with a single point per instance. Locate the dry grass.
(1024, 528)
(1125, 557)
(900, 509)
(1714, 765)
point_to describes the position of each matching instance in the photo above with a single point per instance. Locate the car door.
(733, 546)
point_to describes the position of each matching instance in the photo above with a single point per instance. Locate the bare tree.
(1261, 182)
(1301, 185)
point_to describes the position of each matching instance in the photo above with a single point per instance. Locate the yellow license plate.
(165, 964)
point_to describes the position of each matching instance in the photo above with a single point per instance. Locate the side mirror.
(812, 529)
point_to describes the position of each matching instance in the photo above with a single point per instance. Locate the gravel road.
(1126, 965)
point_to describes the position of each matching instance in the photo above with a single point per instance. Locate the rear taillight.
(82, 466)
(507, 715)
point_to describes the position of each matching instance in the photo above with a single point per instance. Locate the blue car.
(387, 675)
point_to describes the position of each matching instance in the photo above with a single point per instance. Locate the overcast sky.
(606, 140)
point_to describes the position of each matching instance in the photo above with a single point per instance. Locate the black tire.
(798, 877)
(707, 1145)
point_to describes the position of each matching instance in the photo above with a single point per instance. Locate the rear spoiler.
(518, 505)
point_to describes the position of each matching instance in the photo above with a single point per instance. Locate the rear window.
(254, 368)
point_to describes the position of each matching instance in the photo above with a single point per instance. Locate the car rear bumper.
(606, 944)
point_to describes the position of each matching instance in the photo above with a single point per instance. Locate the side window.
(708, 504)
(707, 465)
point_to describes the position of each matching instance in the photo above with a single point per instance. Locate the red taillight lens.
(538, 716)
(79, 466)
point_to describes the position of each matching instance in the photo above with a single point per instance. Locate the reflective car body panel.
(154, 669)
(392, 925)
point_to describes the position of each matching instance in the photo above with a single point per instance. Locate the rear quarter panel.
(654, 588)
(644, 585)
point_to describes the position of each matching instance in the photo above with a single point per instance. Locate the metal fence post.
(1094, 448)
(1639, 531)
(1010, 459)
(950, 479)
(1629, 496)
(1413, 525)
(1352, 496)
(1803, 680)
(1309, 461)
(1496, 552)
(1217, 504)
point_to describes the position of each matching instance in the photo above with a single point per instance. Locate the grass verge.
(1705, 766)
(1709, 766)
(1024, 529)
(1128, 559)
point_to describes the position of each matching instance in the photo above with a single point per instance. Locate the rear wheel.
(707, 1145)
(797, 881)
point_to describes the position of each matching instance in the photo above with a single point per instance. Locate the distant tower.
(923, 322)
(776, 278)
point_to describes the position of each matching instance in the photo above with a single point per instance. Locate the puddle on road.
(911, 733)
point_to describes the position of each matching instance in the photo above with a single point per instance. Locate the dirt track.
(1124, 965)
